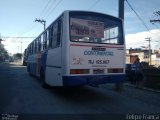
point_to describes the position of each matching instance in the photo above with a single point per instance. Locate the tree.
(3, 53)
(17, 56)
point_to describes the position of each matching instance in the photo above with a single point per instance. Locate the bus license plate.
(98, 71)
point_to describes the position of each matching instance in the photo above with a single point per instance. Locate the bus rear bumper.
(92, 80)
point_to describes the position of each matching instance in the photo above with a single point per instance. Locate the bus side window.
(31, 48)
(55, 31)
(28, 49)
(47, 38)
(39, 44)
(36, 46)
(59, 32)
(56, 34)
(50, 36)
(26, 54)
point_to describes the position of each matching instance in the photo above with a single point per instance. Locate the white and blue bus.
(24, 57)
(79, 48)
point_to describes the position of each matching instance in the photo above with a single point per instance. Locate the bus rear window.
(94, 29)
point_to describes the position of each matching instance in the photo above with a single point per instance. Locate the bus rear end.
(96, 49)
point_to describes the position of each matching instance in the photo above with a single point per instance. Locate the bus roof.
(81, 11)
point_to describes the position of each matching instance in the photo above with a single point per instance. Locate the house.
(143, 54)
(132, 54)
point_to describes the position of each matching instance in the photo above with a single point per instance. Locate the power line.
(48, 8)
(16, 37)
(149, 46)
(45, 8)
(93, 4)
(53, 9)
(32, 26)
(28, 28)
(153, 21)
(138, 16)
(135, 44)
(42, 22)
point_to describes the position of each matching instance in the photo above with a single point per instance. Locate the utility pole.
(18, 49)
(21, 47)
(149, 46)
(41, 21)
(119, 86)
(121, 9)
(153, 21)
(157, 13)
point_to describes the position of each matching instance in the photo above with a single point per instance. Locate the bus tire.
(28, 68)
(42, 80)
(119, 86)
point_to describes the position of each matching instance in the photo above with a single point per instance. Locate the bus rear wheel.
(119, 86)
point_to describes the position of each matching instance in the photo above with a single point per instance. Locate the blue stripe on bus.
(31, 64)
(91, 80)
(32, 68)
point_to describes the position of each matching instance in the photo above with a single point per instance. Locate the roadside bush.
(152, 77)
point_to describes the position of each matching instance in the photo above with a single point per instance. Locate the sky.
(18, 19)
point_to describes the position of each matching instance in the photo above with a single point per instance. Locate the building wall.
(155, 60)
(143, 55)
(132, 54)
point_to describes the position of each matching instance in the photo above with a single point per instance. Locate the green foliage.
(17, 56)
(3, 53)
(152, 77)
(145, 64)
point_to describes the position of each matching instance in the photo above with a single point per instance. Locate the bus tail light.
(79, 71)
(115, 70)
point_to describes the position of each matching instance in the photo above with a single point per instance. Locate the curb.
(143, 88)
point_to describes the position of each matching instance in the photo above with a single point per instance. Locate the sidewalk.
(18, 62)
(140, 86)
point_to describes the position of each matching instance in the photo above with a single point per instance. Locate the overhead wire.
(135, 43)
(142, 21)
(23, 37)
(28, 28)
(155, 24)
(93, 4)
(138, 16)
(44, 9)
(58, 3)
(48, 8)
(33, 25)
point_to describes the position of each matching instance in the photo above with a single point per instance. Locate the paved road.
(21, 93)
